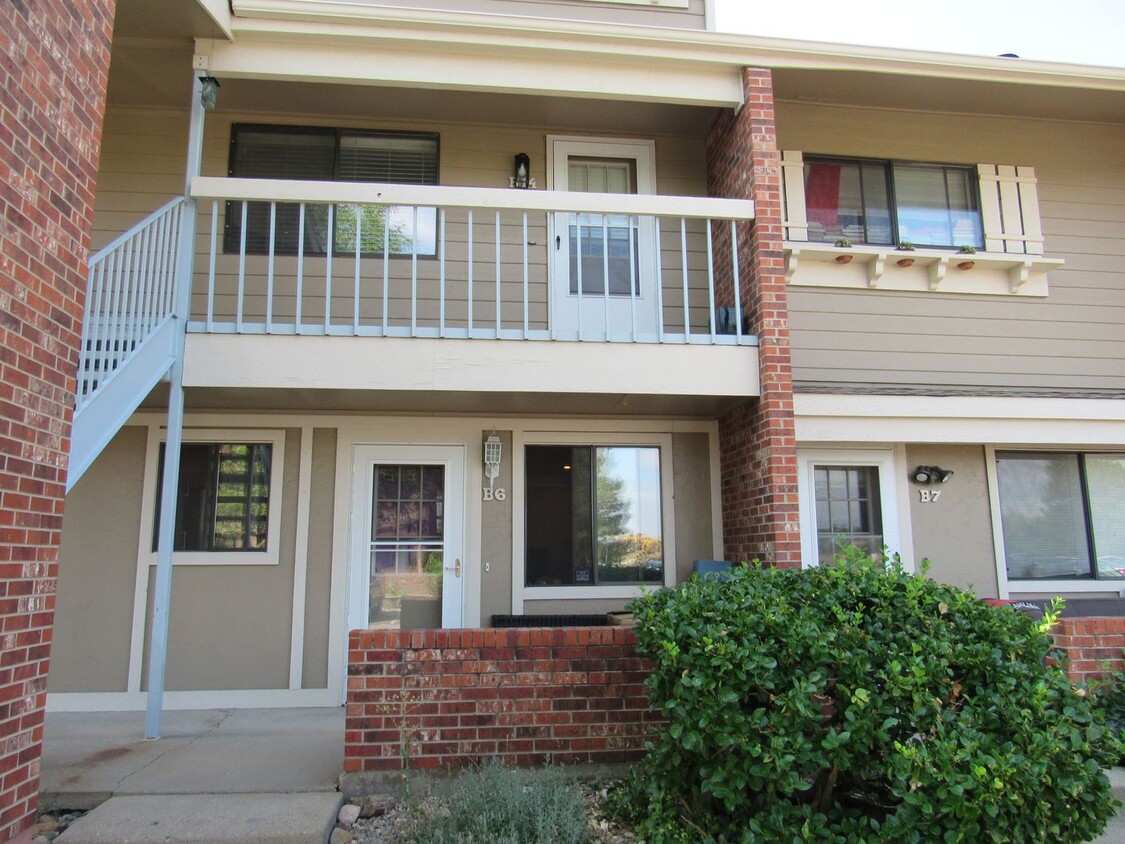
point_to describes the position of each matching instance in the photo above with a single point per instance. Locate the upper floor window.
(324, 154)
(885, 203)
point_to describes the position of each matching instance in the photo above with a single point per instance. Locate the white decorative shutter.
(1009, 205)
(794, 221)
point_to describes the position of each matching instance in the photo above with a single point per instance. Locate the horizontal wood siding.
(471, 155)
(1072, 339)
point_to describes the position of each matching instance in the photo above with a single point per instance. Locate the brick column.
(52, 101)
(756, 440)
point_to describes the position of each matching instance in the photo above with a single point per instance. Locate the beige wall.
(318, 588)
(955, 532)
(1070, 340)
(496, 540)
(98, 570)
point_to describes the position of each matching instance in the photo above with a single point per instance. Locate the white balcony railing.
(129, 297)
(285, 257)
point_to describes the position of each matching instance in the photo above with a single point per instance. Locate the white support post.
(162, 599)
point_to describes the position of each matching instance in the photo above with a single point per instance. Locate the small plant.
(857, 703)
(498, 805)
(843, 243)
(967, 249)
(906, 246)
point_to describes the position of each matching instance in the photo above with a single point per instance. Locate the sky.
(1074, 31)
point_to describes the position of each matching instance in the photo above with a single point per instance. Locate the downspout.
(169, 490)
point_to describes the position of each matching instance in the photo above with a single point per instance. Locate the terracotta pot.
(843, 259)
(905, 262)
(966, 265)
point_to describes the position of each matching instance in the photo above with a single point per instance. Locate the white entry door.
(603, 282)
(407, 562)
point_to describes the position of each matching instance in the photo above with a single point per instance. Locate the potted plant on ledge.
(843, 243)
(906, 261)
(968, 263)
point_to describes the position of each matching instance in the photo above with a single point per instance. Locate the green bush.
(1109, 696)
(497, 805)
(859, 703)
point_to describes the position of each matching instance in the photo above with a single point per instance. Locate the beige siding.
(1072, 339)
(691, 17)
(97, 571)
(471, 155)
(318, 586)
(963, 557)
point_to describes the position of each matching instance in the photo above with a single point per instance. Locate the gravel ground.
(398, 823)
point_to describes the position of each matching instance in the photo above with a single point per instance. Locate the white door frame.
(452, 458)
(587, 319)
(890, 463)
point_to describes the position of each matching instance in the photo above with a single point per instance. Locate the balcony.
(363, 267)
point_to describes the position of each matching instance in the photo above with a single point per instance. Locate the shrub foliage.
(859, 703)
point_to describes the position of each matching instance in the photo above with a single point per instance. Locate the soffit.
(961, 96)
(178, 20)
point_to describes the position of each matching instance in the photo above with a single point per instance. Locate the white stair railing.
(129, 297)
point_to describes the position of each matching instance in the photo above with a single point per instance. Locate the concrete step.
(305, 818)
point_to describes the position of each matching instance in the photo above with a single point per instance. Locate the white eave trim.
(1000, 420)
(505, 32)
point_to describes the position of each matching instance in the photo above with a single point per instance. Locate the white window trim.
(1006, 587)
(891, 465)
(269, 557)
(521, 592)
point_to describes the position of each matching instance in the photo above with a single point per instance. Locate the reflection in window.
(224, 497)
(593, 515)
(1061, 514)
(888, 202)
(848, 510)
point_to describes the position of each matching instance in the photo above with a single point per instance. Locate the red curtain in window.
(822, 194)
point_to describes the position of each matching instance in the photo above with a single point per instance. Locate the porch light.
(522, 177)
(208, 92)
(492, 451)
(931, 475)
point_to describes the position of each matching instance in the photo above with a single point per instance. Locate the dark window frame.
(888, 165)
(232, 229)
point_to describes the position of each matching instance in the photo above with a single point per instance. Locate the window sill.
(927, 270)
(1021, 587)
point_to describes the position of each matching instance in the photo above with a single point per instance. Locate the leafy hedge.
(859, 703)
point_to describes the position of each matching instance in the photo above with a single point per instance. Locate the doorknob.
(455, 568)
(558, 241)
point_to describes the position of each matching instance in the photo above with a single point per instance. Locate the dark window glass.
(593, 515)
(1061, 514)
(310, 153)
(885, 203)
(224, 495)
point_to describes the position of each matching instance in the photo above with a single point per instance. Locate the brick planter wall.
(757, 443)
(520, 696)
(54, 61)
(1093, 646)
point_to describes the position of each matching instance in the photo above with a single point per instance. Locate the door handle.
(455, 568)
(558, 241)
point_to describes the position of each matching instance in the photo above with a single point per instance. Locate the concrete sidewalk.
(246, 775)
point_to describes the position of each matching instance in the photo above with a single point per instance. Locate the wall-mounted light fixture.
(522, 177)
(208, 92)
(931, 475)
(492, 452)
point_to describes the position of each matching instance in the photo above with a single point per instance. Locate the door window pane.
(593, 515)
(407, 546)
(848, 509)
(599, 243)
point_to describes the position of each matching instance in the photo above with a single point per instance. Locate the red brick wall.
(52, 100)
(1093, 646)
(522, 696)
(756, 441)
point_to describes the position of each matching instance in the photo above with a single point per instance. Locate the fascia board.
(325, 18)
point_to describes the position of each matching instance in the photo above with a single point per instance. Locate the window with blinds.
(325, 154)
(1061, 514)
